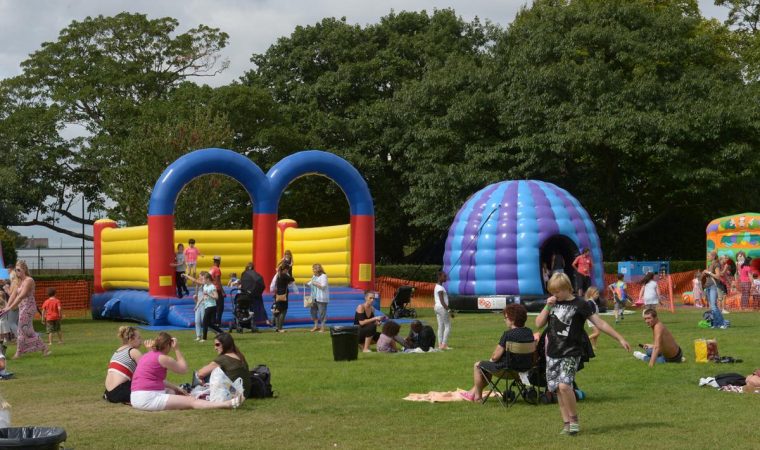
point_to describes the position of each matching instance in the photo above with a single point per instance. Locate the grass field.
(325, 404)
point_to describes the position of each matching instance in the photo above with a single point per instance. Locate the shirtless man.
(665, 348)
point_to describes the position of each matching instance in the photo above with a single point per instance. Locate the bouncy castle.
(733, 234)
(503, 234)
(133, 276)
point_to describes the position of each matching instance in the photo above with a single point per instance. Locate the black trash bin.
(37, 438)
(345, 342)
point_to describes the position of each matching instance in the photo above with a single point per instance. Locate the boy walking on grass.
(565, 314)
(51, 314)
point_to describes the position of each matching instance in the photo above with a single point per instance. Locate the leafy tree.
(337, 84)
(8, 243)
(638, 108)
(97, 75)
(744, 19)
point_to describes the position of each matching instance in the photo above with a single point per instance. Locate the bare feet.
(314, 329)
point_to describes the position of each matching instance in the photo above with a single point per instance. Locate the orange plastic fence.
(74, 295)
(672, 289)
(421, 298)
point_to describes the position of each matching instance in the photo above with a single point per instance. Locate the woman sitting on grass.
(367, 321)
(230, 360)
(515, 316)
(386, 343)
(151, 391)
(122, 366)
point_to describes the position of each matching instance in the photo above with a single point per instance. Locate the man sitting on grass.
(665, 349)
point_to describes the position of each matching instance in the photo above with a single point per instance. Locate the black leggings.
(209, 317)
(219, 306)
(181, 285)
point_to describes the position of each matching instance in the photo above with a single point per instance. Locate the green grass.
(358, 404)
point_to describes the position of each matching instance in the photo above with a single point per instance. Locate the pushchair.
(399, 304)
(242, 316)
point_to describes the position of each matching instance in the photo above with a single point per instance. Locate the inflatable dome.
(502, 235)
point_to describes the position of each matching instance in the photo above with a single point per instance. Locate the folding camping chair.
(514, 385)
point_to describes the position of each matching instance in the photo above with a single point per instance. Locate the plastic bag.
(700, 350)
(221, 388)
(308, 299)
(5, 413)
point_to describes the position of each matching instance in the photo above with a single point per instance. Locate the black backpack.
(261, 382)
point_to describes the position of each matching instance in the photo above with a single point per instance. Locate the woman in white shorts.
(151, 391)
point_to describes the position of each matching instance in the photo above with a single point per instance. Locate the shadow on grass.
(628, 426)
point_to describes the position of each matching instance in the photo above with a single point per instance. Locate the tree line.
(644, 110)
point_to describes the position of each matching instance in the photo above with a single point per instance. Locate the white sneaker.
(639, 355)
(725, 312)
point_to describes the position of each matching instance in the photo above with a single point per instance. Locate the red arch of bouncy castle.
(265, 192)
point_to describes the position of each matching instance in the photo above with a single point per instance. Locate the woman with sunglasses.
(230, 360)
(28, 341)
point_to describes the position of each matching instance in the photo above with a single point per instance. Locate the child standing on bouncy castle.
(191, 257)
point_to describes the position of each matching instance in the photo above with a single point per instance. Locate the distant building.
(36, 243)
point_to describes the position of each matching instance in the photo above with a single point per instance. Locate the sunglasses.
(18, 270)
(217, 344)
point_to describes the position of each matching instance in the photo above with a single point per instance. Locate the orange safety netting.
(675, 289)
(74, 295)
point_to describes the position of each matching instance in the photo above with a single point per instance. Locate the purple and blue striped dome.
(494, 244)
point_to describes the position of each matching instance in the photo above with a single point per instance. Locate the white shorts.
(149, 400)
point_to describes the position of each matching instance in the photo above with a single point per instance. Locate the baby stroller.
(242, 316)
(399, 304)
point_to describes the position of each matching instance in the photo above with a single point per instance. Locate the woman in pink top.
(745, 281)
(151, 391)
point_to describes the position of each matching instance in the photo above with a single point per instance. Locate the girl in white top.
(441, 309)
(650, 293)
(320, 295)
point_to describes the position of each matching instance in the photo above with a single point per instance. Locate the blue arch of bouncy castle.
(311, 162)
(265, 190)
(203, 162)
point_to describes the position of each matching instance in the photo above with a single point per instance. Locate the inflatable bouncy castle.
(504, 233)
(733, 234)
(133, 276)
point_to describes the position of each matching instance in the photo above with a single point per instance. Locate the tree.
(337, 84)
(97, 75)
(638, 108)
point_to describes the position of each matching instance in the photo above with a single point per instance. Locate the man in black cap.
(252, 286)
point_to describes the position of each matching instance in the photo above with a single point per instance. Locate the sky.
(253, 25)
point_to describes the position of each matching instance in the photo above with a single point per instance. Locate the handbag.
(307, 298)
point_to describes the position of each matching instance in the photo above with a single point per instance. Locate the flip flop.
(467, 396)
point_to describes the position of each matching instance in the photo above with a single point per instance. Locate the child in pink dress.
(191, 258)
(696, 289)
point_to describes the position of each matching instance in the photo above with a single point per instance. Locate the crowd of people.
(139, 378)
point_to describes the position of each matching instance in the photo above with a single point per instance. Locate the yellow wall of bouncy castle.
(233, 246)
(733, 234)
(125, 253)
(124, 263)
(329, 246)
